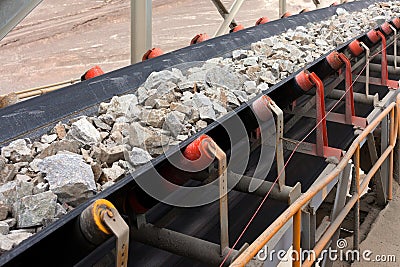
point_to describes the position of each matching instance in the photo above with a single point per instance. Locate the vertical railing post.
(391, 163)
(141, 31)
(296, 239)
(356, 190)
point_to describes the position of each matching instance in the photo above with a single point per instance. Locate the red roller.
(199, 38)
(396, 23)
(91, 73)
(285, 15)
(334, 4)
(334, 61)
(385, 28)
(152, 53)
(192, 151)
(237, 28)
(355, 48)
(373, 36)
(303, 81)
(262, 20)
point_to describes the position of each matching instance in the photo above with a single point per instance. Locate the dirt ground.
(60, 40)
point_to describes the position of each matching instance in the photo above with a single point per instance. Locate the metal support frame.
(113, 220)
(280, 161)
(229, 18)
(223, 12)
(394, 46)
(215, 150)
(282, 7)
(141, 28)
(381, 194)
(367, 63)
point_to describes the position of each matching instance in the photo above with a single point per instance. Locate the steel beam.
(232, 13)
(141, 28)
(12, 12)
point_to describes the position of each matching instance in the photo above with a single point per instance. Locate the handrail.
(296, 207)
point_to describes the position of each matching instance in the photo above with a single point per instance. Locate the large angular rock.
(4, 228)
(33, 210)
(72, 146)
(7, 242)
(174, 122)
(114, 173)
(12, 191)
(220, 77)
(156, 118)
(17, 151)
(70, 178)
(111, 154)
(138, 156)
(157, 78)
(120, 105)
(84, 132)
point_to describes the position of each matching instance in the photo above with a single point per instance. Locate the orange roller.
(199, 38)
(192, 151)
(303, 81)
(262, 20)
(373, 36)
(304, 11)
(355, 48)
(152, 53)
(237, 28)
(385, 28)
(334, 4)
(285, 15)
(396, 23)
(334, 61)
(91, 73)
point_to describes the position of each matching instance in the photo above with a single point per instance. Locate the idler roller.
(286, 15)
(385, 29)
(291, 90)
(395, 23)
(355, 48)
(199, 38)
(91, 73)
(262, 20)
(152, 53)
(371, 38)
(237, 28)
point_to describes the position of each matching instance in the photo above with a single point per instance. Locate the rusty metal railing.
(294, 210)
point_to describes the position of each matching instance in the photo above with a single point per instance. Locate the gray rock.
(70, 178)
(40, 188)
(200, 100)
(84, 132)
(12, 222)
(107, 185)
(341, 11)
(219, 108)
(263, 87)
(4, 228)
(109, 154)
(114, 173)
(120, 105)
(250, 87)
(156, 118)
(7, 242)
(181, 108)
(17, 151)
(201, 125)
(12, 191)
(47, 139)
(7, 173)
(207, 112)
(138, 156)
(250, 61)
(157, 78)
(268, 77)
(137, 135)
(60, 211)
(32, 210)
(101, 125)
(220, 77)
(174, 122)
(3, 212)
(107, 118)
(72, 146)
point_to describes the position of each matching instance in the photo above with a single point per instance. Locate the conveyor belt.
(34, 117)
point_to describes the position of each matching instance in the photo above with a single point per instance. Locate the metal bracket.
(280, 161)
(215, 150)
(394, 45)
(113, 220)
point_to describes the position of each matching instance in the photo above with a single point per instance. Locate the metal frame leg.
(141, 28)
